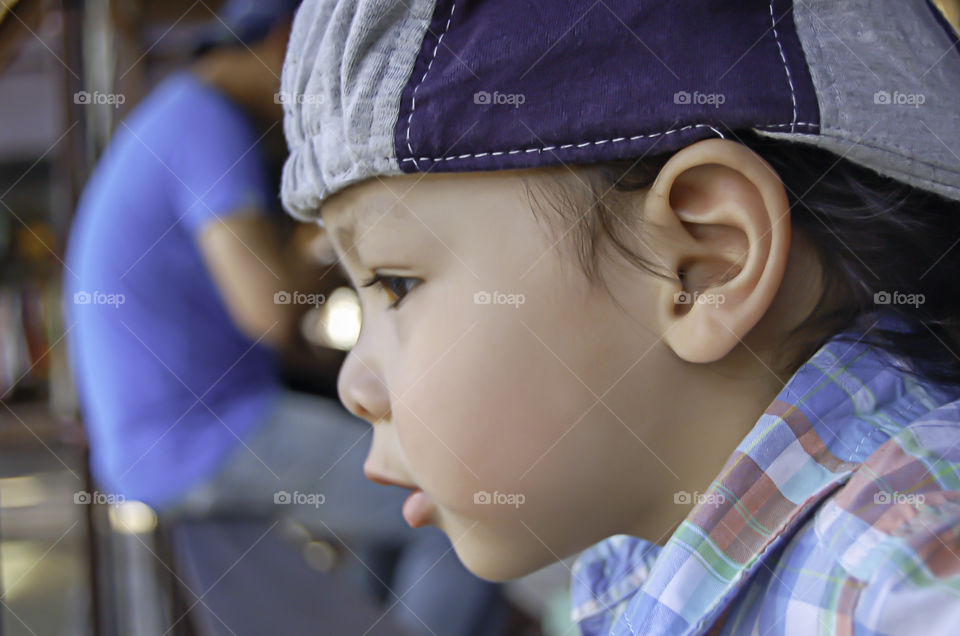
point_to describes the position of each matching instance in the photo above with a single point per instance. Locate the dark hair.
(871, 234)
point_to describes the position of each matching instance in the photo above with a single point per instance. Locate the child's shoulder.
(894, 527)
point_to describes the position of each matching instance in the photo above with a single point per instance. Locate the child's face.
(503, 372)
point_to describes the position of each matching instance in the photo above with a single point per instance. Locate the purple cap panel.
(502, 84)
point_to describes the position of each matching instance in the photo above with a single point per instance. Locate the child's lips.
(418, 508)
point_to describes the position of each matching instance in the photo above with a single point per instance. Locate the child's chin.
(500, 566)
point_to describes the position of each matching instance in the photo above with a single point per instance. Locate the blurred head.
(244, 23)
(242, 50)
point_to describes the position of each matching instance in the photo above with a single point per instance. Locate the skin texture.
(596, 412)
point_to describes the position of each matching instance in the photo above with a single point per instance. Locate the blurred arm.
(244, 257)
(249, 266)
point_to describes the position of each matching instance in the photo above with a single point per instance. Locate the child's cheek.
(483, 408)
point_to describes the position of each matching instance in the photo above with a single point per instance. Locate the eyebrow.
(347, 233)
(351, 253)
(345, 236)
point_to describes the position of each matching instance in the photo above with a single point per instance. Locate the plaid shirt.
(839, 513)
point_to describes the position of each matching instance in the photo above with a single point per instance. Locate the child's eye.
(397, 285)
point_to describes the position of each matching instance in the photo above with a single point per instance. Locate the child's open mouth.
(417, 508)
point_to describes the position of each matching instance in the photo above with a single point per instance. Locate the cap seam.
(783, 57)
(564, 146)
(413, 95)
(592, 143)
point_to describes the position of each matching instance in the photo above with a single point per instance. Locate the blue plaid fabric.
(839, 513)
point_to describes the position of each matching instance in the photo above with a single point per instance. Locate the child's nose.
(361, 391)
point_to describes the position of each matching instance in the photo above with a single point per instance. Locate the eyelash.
(385, 281)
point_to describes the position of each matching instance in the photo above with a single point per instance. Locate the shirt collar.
(839, 406)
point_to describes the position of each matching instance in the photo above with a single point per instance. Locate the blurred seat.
(220, 590)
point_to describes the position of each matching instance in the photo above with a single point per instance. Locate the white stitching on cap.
(413, 106)
(593, 143)
(776, 36)
(413, 97)
(799, 123)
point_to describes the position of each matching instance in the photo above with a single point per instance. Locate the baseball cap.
(385, 88)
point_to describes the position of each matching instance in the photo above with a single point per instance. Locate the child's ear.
(725, 220)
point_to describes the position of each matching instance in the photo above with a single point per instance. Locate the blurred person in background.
(185, 306)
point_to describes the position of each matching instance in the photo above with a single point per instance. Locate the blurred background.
(73, 560)
(71, 563)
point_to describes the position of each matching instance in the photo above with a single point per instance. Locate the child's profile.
(710, 344)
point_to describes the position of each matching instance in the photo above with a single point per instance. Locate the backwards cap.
(381, 87)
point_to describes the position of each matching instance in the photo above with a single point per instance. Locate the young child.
(671, 278)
